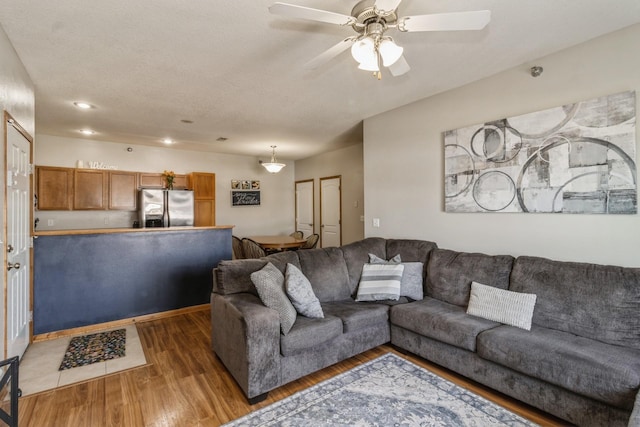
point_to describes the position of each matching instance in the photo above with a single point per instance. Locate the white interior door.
(330, 212)
(18, 266)
(304, 207)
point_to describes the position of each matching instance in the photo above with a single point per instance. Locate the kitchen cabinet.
(204, 194)
(54, 188)
(156, 180)
(123, 190)
(90, 189)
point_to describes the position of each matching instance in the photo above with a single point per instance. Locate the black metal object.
(11, 374)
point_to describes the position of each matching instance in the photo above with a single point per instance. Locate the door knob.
(15, 265)
(9, 248)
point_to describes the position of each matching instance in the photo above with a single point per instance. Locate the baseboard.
(117, 323)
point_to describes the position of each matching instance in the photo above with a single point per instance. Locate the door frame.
(10, 121)
(313, 203)
(326, 178)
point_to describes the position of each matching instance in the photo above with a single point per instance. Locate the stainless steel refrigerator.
(165, 208)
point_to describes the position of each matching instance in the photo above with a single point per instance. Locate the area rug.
(93, 348)
(387, 391)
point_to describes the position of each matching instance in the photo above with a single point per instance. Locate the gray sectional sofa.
(580, 361)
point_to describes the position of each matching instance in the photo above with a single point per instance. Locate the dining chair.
(297, 235)
(252, 249)
(236, 246)
(312, 242)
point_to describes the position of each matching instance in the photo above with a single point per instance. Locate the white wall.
(275, 215)
(403, 157)
(17, 98)
(348, 163)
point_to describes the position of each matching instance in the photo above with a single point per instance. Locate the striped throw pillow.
(499, 305)
(380, 282)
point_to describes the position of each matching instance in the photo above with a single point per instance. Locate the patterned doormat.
(384, 392)
(93, 348)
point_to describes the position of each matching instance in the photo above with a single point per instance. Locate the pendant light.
(273, 166)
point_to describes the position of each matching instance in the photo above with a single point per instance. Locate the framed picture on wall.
(236, 184)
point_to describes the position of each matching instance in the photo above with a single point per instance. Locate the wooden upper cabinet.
(203, 185)
(155, 180)
(90, 189)
(54, 188)
(204, 193)
(123, 190)
(151, 180)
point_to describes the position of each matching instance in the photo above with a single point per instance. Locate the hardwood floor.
(186, 385)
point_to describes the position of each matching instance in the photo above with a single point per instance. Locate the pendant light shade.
(273, 166)
(390, 52)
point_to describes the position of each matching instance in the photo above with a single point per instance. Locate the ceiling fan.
(371, 19)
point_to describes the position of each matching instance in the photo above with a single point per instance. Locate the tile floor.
(39, 366)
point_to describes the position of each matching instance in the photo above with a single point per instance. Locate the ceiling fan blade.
(387, 6)
(330, 53)
(475, 20)
(295, 11)
(399, 67)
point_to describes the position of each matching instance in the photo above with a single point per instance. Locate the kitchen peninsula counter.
(124, 230)
(87, 277)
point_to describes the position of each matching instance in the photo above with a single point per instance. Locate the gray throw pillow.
(301, 293)
(412, 279)
(411, 284)
(269, 283)
(374, 259)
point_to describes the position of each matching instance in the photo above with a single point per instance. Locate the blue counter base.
(81, 280)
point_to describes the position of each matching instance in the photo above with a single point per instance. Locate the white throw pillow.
(499, 305)
(380, 282)
(301, 293)
(269, 283)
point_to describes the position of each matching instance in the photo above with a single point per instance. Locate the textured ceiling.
(237, 72)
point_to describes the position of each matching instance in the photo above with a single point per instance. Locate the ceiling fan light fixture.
(390, 52)
(273, 166)
(363, 50)
(369, 66)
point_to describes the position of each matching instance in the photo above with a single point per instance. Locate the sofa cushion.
(301, 294)
(356, 255)
(356, 316)
(410, 250)
(380, 282)
(601, 302)
(269, 282)
(232, 277)
(607, 373)
(450, 273)
(327, 271)
(511, 308)
(282, 258)
(441, 321)
(309, 333)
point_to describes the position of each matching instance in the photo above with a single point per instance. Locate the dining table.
(278, 243)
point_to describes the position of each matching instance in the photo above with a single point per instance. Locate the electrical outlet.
(50, 223)
(106, 220)
(376, 222)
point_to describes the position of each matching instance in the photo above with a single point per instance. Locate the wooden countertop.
(125, 230)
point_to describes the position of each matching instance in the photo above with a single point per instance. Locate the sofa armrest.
(246, 337)
(634, 420)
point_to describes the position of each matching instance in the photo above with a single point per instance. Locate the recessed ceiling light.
(87, 132)
(83, 105)
(168, 141)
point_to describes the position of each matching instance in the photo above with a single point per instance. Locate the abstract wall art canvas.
(578, 158)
